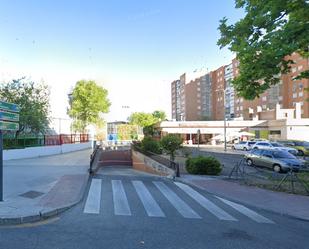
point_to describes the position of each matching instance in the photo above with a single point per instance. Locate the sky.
(133, 48)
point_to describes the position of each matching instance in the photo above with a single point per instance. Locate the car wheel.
(245, 149)
(233, 147)
(300, 153)
(277, 168)
(249, 162)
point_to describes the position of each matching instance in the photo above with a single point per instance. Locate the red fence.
(65, 139)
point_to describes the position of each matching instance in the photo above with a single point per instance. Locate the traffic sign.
(8, 126)
(9, 107)
(9, 116)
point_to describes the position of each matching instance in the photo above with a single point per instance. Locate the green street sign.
(9, 107)
(8, 126)
(9, 116)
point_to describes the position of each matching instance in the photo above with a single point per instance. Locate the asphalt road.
(124, 209)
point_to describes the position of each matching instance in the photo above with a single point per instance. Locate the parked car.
(301, 146)
(278, 160)
(268, 145)
(243, 145)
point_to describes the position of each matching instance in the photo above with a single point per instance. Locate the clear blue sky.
(141, 44)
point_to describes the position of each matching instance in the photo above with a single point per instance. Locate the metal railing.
(162, 160)
(92, 158)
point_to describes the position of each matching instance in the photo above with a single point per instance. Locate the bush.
(149, 144)
(203, 166)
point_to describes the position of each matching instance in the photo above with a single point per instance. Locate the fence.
(24, 141)
(168, 163)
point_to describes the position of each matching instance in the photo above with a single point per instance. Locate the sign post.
(9, 119)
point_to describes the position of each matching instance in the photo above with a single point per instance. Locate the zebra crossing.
(153, 207)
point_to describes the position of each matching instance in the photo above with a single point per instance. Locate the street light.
(224, 115)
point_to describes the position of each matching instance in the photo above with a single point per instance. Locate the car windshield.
(276, 145)
(283, 154)
(251, 143)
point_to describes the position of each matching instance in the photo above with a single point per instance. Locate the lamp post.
(224, 116)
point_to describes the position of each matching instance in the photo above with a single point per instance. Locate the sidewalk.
(286, 204)
(38, 188)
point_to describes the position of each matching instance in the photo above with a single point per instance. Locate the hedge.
(203, 166)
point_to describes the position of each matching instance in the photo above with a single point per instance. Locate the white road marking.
(211, 207)
(151, 206)
(183, 208)
(92, 205)
(121, 205)
(246, 211)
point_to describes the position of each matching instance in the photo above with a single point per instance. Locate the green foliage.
(148, 130)
(159, 115)
(144, 119)
(127, 131)
(89, 101)
(149, 144)
(170, 143)
(33, 100)
(203, 166)
(270, 31)
(141, 119)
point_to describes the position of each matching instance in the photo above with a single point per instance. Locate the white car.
(243, 145)
(274, 145)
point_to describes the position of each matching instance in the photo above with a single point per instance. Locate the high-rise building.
(192, 97)
(201, 95)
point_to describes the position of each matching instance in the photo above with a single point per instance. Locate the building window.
(300, 94)
(264, 107)
(264, 98)
(294, 95)
(294, 69)
(300, 67)
(241, 108)
(294, 87)
(280, 98)
(300, 86)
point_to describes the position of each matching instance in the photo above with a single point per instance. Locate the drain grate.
(32, 194)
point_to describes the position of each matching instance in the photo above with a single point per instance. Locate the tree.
(89, 101)
(263, 40)
(142, 119)
(33, 100)
(170, 143)
(159, 115)
(127, 131)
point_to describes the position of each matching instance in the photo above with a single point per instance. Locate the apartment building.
(204, 96)
(192, 96)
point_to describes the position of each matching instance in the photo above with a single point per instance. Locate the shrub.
(203, 166)
(149, 144)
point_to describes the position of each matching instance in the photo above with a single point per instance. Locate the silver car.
(278, 160)
(272, 145)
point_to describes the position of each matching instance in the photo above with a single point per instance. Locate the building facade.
(211, 95)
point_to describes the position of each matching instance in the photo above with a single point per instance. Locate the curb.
(45, 213)
(240, 202)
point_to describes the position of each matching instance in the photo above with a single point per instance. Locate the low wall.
(146, 164)
(43, 151)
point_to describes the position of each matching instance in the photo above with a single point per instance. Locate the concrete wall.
(43, 151)
(146, 164)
